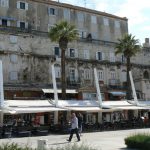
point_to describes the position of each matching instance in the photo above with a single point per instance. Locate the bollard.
(42, 144)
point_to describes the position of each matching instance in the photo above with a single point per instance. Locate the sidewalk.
(106, 140)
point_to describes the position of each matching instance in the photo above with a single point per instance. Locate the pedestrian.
(74, 127)
(80, 122)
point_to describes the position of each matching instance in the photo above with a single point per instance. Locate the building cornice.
(65, 5)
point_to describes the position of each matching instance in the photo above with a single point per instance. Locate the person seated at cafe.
(37, 121)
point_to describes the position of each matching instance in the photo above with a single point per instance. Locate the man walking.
(74, 127)
(80, 122)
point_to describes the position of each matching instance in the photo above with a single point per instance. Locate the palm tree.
(128, 46)
(63, 33)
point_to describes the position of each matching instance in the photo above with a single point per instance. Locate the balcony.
(16, 30)
(73, 82)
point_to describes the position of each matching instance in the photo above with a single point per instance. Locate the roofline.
(79, 8)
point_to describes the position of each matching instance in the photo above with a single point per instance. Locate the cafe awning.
(71, 91)
(132, 108)
(117, 93)
(89, 109)
(29, 106)
(27, 110)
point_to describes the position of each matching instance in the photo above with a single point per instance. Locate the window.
(100, 75)
(66, 14)
(4, 3)
(57, 72)
(86, 54)
(89, 96)
(87, 74)
(123, 59)
(93, 19)
(51, 11)
(22, 5)
(4, 22)
(106, 21)
(72, 52)
(22, 24)
(13, 58)
(94, 35)
(117, 24)
(146, 75)
(112, 57)
(123, 76)
(80, 17)
(57, 51)
(72, 74)
(13, 75)
(82, 34)
(112, 75)
(99, 56)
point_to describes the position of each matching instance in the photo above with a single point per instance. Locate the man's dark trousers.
(76, 132)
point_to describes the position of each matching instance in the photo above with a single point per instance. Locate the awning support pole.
(1, 86)
(133, 89)
(54, 86)
(98, 88)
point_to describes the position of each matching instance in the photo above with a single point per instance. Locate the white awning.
(89, 109)
(71, 91)
(132, 108)
(32, 110)
(118, 93)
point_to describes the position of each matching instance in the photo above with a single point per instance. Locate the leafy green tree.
(63, 33)
(129, 47)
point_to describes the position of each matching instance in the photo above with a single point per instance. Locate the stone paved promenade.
(106, 140)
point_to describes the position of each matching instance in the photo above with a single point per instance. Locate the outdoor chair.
(24, 131)
(42, 130)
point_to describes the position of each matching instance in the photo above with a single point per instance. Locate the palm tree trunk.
(63, 75)
(128, 90)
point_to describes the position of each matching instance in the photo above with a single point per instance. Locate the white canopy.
(37, 106)
(71, 91)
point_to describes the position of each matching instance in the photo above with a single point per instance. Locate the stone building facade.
(27, 52)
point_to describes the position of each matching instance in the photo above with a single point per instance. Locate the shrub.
(74, 147)
(140, 141)
(13, 146)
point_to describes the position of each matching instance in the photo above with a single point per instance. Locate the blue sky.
(137, 12)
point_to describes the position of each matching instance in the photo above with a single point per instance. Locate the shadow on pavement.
(58, 143)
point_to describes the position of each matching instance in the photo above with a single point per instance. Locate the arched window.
(87, 74)
(146, 75)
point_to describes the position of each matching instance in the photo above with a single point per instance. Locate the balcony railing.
(73, 82)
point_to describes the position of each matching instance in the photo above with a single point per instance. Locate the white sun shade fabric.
(71, 91)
